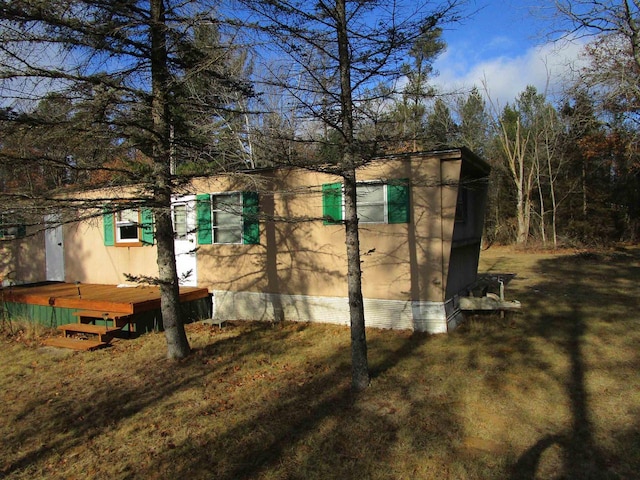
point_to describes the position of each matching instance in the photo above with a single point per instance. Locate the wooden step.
(102, 333)
(119, 319)
(74, 343)
(100, 314)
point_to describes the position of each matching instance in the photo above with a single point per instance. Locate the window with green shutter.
(129, 227)
(377, 202)
(203, 216)
(146, 220)
(250, 218)
(228, 218)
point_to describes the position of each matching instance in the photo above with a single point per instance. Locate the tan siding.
(300, 257)
(88, 260)
(22, 260)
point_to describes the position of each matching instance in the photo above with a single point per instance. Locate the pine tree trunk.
(359, 363)
(177, 343)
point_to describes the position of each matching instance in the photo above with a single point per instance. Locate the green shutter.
(250, 218)
(398, 201)
(146, 219)
(203, 213)
(332, 203)
(109, 228)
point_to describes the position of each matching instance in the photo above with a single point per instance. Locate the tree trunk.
(521, 212)
(359, 362)
(554, 205)
(543, 212)
(584, 190)
(177, 343)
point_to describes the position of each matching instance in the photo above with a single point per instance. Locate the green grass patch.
(552, 392)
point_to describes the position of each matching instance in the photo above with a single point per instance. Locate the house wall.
(303, 256)
(298, 270)
(467, 233)
(300, 255)
(22, 260)
(88, 260)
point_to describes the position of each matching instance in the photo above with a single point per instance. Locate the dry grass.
(551, 393)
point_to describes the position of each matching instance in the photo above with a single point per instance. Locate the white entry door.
(184, 224)
(54, 249)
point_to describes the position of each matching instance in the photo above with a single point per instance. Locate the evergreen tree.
(121, 64)
(337, 57)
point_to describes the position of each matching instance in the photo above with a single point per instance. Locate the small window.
(371, 202)
(127, 226)
(11, 227)
(227, 218)
(130, 227)
(462, 205)
(180, 223)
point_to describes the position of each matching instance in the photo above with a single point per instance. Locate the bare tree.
(612, 78)
(514, 141)
(613, 71)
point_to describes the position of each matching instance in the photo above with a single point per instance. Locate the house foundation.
(429, 317)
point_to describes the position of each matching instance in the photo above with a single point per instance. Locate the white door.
(54, 248)
(184, 224)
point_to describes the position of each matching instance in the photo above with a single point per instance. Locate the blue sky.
(504, 46)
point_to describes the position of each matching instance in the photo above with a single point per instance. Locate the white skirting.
(431, 317)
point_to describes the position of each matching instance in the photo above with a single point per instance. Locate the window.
(11, 227)
(127, 222)
(130, 227)
(462, 205)
(376, 202)
(180, 220)
(371, 202)
(228, 218)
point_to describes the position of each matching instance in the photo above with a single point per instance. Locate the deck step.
(102, 333)
(119, 319)
(74, 343)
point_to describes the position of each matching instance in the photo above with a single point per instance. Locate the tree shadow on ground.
(312, 425)
(317, 426)
(578, 286)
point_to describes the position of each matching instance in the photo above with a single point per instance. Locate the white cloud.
(547, 67)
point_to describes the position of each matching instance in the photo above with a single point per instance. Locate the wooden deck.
(107, 298)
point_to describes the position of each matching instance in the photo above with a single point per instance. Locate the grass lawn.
(551, 393)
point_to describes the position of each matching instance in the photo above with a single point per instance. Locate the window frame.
(248, 211)
(174, 208)
(396, 199)
(145, 226)
(215, 227)
(17, 226)
(384, 203)
(119, 224)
